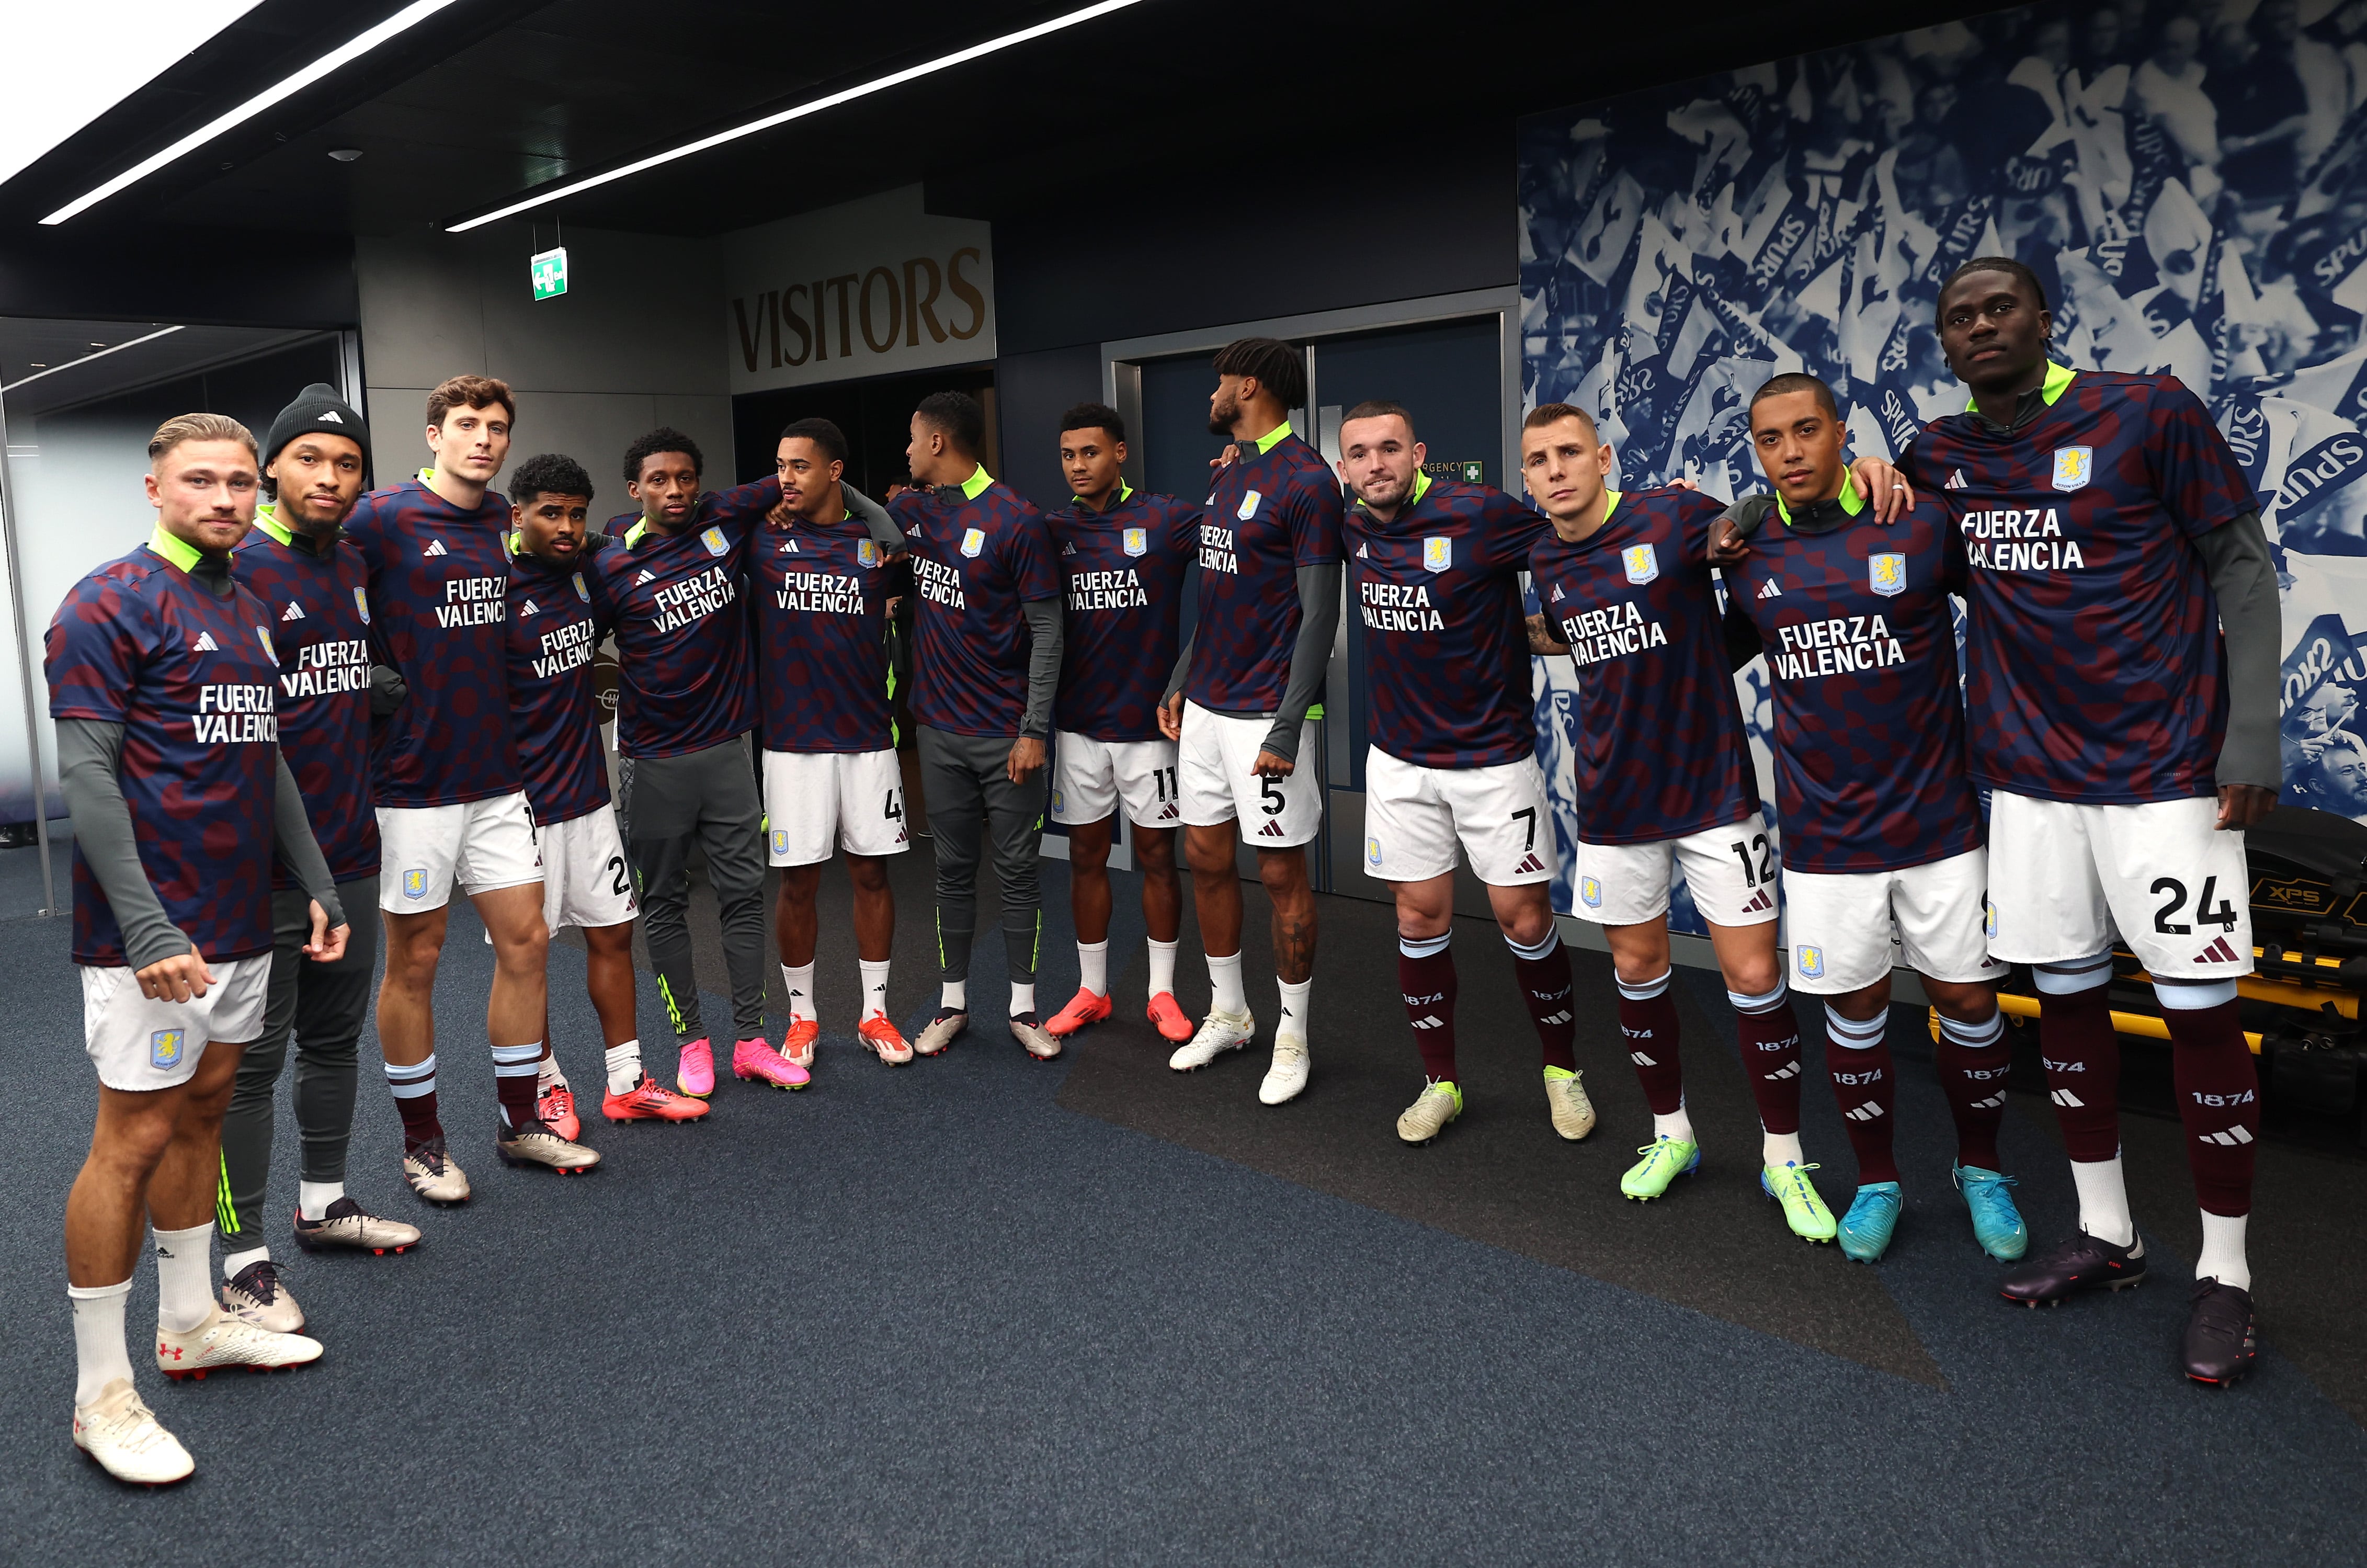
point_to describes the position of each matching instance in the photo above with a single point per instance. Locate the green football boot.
(1804, 1210)
(1665, 1159)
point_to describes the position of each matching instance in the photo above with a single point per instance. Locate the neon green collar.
(1124, 494)
(975, 486)
(1850, 501)
(1420, 488)
(2058, 378)
(175, 548)
(266, 517)
(633, 535)
(1265, 443)
(1610, 504)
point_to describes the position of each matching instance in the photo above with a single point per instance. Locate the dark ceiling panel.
(495, 97)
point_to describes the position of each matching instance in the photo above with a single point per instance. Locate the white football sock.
(1676, 1125)
(1294, 1009)
(313, 1197)
(798, 983)
(875, 987)
(234, 1263)
(547, 1077)
(1093, 965)
(624, 1067)
(185, 1285)
(957, 996)
(2223, 1251)
(1781, 1148)
(1023, 998)
(100, 1353)
(1162, 965)
(2103, 1202)
(1225, 984)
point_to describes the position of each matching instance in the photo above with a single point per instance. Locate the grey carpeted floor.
(984, 1309)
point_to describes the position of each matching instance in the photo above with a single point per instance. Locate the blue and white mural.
(2189, 180)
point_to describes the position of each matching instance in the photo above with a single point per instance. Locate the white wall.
(633, 344)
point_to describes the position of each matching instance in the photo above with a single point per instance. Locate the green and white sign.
(551, 273)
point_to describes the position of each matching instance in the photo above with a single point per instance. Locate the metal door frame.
(1122, 362)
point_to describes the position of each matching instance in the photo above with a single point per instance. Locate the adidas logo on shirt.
(293, 612)
(1069, 547)
(789, 547)
(205, 644)
(1528, 863)
(1955, 481)
(1556, 594)
(644, 577)
(1770, 591)
(1363, 552)
(436, 547)
(2217, 952)
(530, 608)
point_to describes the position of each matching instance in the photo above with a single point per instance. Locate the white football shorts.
(1850, 928)
(2065, 879)
(817, 802)
(1414, 817)
(1090, 777)
(586, 881)
(1730, 871)
(1214, 764)
(483, 846)
(141, 1044)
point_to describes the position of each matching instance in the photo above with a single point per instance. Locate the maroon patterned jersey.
(1446, 658)
(554, 631)
(2097, 672)
(191, 677)
(822, 681)
(974, 564)
(1268, 514)
(438, 596)
(319, 605)
(1660, 746)
(1861, 646)
(1122, 571)
(680, 625)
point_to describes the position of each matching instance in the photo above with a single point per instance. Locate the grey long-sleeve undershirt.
(1043, 665)
(1310, 655)
(2243, 580)
(90, 756)
(874, 517)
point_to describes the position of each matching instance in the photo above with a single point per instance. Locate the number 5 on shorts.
(1271, 799)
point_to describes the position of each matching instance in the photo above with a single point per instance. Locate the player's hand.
(1226, 459)
(328, 943)
(1270, 765)
(176, 979)
(1170, 717)
(2241, 805)
(1884, 486)
(1727, 546)
(1682, 481)
(780, 515)
(1027, 757)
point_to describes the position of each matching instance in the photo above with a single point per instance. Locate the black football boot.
(2082, 1263)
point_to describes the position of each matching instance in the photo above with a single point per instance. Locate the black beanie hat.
(317, 407)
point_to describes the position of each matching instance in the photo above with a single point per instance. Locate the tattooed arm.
(1541, 637)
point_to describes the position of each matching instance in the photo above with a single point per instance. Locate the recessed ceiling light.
(344, 154)
(95, 344)
(553, 192)
(38, 365)
(410, 16)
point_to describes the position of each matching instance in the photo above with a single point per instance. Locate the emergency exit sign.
(551, 273)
